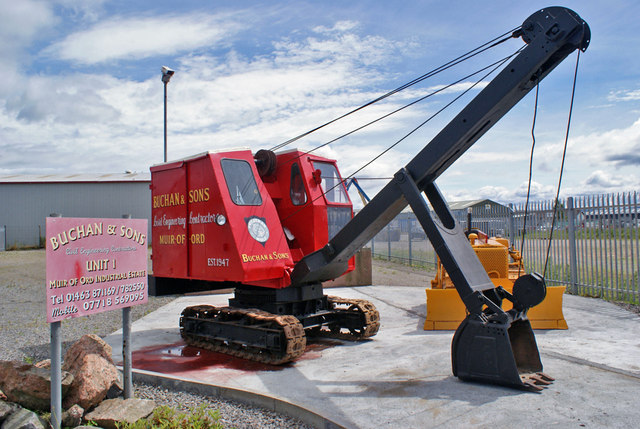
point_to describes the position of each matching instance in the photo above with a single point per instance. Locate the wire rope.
(564, 153)
(464, 57)
(526, 205)
(500, 63)
(496, 65)
(444, 88)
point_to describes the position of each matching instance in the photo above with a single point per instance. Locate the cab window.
(297, 191)
(332, 185)
(240, 182)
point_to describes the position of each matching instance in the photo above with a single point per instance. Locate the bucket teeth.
(536, 381)
(545, 376)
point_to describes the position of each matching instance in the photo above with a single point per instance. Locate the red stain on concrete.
(180, 359)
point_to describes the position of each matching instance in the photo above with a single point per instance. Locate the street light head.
(166, 74)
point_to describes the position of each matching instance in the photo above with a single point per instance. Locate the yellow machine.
(445, 309)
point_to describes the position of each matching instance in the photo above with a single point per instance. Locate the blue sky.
(81, 89)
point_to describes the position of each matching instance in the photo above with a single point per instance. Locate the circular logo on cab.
(258, 229)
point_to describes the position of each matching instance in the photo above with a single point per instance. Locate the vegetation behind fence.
(595, 250)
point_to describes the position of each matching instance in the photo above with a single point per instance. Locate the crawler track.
(357, 319)
(274, 339)
(248, 334)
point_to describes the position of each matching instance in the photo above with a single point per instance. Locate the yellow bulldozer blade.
(445, 310)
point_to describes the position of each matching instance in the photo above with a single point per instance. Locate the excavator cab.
(310, 197)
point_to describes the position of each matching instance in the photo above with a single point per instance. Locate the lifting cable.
(498, 64)
(431, 94)
(495, 66)
(564, 153)
(533, 145)
(470, 54)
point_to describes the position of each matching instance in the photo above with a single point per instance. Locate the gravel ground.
(25, 336)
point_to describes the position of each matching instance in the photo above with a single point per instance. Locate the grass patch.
(168, 418)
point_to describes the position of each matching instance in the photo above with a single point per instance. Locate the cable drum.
(265, 162)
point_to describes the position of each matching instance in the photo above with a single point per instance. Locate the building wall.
(25, 206)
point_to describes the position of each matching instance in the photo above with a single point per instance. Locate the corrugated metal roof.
(76, 178)
(461, 205)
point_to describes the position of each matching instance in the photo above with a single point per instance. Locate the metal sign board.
(94, 265)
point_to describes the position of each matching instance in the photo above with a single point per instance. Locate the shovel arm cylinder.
(551, 35)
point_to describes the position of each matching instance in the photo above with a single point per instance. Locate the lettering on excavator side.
(198, 195)
(274, 256)
(168, 200)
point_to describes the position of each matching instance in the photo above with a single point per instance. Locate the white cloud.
(505, 194)
(22, 21)
(624, 95)
(340, 26)
(367, 50)
(603, 181)
(83, 122)
(72, 99)
(134, 38)
(607, 148)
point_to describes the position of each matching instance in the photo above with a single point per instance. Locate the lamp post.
(166, 77)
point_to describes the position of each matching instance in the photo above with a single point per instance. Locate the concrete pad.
(402, 376)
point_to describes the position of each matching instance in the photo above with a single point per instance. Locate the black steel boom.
(491, 344)
(551, 35)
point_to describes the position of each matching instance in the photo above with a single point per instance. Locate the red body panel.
(188, 243)
(307, 223)
(191, 197)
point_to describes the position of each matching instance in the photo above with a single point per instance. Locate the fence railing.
(22, 236)
(594, 251)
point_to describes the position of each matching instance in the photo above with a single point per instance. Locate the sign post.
(93, 265)
(126, 346)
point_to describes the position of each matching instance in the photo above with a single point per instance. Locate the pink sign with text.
(94, 265)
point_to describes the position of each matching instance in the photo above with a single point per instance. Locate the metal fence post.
(56, 375)
(389, 242)
(410, 223)
(573, 265)
(126, 346)
(512, 227)
(373, 247)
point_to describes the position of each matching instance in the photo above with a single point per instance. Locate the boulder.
(23, 419)
(112, 411)
(73, 416)
(29, 386)
(89, 360)
(6, 409)
(87, 345)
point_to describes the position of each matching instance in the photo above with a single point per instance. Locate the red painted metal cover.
(213, 219)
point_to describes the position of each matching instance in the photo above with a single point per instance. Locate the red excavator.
(274, 226)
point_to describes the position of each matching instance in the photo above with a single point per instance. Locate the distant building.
(486, 215)
(26, 201)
